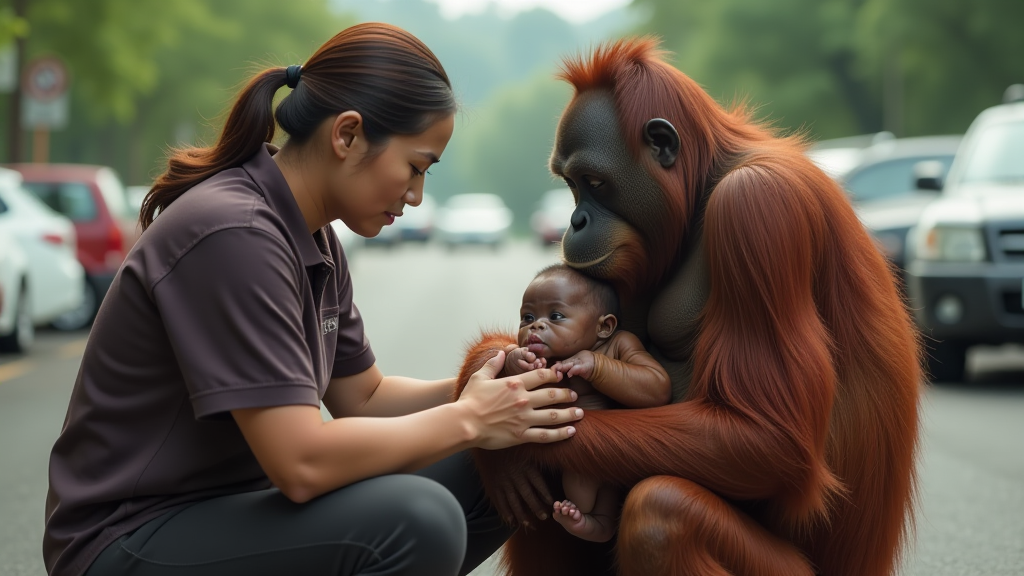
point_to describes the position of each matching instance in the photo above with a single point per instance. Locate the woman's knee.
(420, 526)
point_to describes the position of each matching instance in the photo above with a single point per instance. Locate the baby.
(568, 322)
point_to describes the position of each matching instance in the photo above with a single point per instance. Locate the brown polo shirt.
(226, 302)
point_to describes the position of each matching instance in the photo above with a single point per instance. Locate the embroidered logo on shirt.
(330, 324)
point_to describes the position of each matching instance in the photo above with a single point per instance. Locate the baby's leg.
(597, 522)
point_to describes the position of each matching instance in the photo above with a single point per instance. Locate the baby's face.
(556, 320)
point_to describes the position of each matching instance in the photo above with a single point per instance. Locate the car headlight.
(951, 244)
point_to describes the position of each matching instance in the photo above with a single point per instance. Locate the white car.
(16, 328)
(55, 278)
(474, 219)
(554, 211)
(417, 222)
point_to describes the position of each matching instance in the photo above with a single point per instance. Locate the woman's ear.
(346, 130)
(606, 325)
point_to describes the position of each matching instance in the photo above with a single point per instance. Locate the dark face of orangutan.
(558, 319)
(617, 201)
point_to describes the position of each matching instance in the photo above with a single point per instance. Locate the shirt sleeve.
(232, 308)
(352, 354)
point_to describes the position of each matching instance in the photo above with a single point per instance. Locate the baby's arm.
(521, 360)
(626, 374)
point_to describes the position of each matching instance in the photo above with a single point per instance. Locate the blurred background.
(915, 106)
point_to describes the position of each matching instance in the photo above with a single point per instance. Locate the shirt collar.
(268, 177)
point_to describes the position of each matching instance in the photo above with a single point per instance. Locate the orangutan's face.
(617, 200)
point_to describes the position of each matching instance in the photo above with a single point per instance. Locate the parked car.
(837, 156)
(55, 277)
(551, 219)
(885, 186)
(17, 331)
(965, 270)
(94, 199)
(417, 222)
(474, 219)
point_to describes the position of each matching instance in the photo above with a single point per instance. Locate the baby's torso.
(589, 397)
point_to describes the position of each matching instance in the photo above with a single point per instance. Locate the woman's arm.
(306, 457)
(371, 393)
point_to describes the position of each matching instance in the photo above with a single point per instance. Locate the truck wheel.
(24, 334)
(947, 360)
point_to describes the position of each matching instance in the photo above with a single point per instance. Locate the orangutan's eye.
(569, 183)
(528, 318)
(557, 316)
(593, 182)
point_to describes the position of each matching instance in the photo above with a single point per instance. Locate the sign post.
(45, 104)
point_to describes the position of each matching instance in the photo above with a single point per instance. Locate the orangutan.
(789, 448)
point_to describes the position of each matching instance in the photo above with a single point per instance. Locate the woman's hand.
(507, 412)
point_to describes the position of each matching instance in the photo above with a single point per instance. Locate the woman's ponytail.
(386, 74)
(249, 126)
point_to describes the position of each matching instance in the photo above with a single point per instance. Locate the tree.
(839, 67)
(942, 61)
(505, 150)
(148, 74)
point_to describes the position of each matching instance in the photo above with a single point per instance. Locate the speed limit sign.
(45, 90)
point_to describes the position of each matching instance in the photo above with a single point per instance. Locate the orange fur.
(795, 444)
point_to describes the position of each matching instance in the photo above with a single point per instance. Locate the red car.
(94, 199)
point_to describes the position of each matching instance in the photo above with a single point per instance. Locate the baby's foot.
(584, 526)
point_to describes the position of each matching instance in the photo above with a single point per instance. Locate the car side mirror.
(928, 175)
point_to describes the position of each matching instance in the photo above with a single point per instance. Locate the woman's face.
(368, 194)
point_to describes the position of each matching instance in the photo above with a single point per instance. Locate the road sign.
(45, 95)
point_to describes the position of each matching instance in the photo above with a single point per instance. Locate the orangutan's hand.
(522, 495)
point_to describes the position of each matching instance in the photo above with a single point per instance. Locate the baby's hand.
(521, 360)
(580, 364)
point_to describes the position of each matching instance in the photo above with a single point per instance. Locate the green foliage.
(840, 67)
(504, 149)
(150, 74)
(11, 26)
(954, 58)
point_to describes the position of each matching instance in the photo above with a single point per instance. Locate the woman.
(193, 442)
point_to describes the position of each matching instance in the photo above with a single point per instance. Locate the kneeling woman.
(193, 442)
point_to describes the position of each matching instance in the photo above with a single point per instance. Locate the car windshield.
(888, 179)
(998, 155)
(72, 199)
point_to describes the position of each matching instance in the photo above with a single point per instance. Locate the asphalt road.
(422, 305)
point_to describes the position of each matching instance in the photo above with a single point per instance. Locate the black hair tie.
(292, 74)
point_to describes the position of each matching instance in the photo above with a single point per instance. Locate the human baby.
(568, 322)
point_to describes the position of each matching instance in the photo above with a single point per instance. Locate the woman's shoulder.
(227, 201)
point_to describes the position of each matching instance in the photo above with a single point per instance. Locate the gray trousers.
(435, 522)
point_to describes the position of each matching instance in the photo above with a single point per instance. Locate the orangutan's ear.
(663, 139)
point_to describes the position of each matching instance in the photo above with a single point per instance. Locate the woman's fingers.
(548, 435)
(549, 396)
(553, 417)
(491, 368)
(538, 378)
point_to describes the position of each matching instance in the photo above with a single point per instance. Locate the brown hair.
(383, 72)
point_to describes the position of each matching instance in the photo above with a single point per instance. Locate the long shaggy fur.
(802, 413)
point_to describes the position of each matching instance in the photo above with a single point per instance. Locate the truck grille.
(1011, 244)
(1011, 300)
